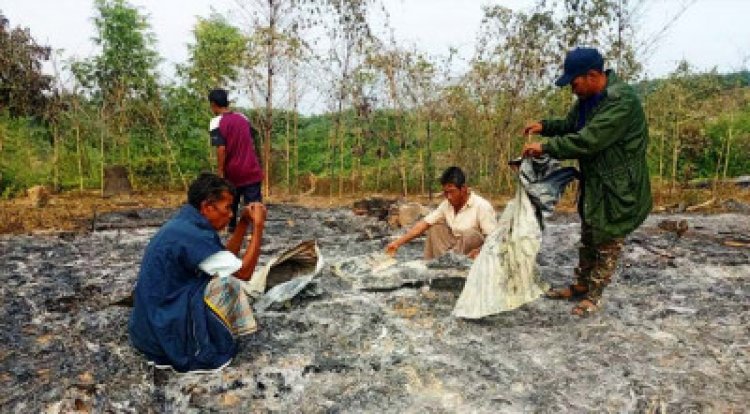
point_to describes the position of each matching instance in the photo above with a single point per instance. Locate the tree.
(608, 25)
(508, 80)
(216, 55)
(125, 67)
(679, 108)
(22, 84)
(122, 75)
(215, 58)
(349, 36)
(274, 25)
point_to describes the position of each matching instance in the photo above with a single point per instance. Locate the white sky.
(712, 33)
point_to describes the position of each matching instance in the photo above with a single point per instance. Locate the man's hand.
(392, 247)
(515, 164)
(533, 128)
(254, 213)
(245, 215)
(416, 230)
(532, 149)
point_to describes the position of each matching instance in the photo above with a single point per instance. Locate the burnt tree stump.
(373, 207)
(116, 181)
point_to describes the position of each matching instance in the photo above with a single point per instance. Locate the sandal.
(585, 308)
(571, 292)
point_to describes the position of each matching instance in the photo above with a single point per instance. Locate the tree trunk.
(340, 139)
(379, 169)
(79, 153)
(722, 162)
(102, 133)
(661, 156)
(728, 151)
(356, 160)
(295, 132)
(171, 160)
(428, 159)
(420, 150)
(675, 155)
(271, 44)
(129, 161)
(288, 150)
(332, 156)
(56, 157)
(404, 180)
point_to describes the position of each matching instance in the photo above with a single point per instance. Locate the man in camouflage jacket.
(606, 132)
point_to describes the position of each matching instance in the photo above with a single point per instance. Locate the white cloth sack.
(504, 275)
(285, 275)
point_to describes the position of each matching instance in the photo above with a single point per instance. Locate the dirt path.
(77, 211)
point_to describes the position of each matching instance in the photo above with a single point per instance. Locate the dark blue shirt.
(585, 106)
(170, 323)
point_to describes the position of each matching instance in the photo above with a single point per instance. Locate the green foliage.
(126, 65)
(22, 84)
(186, 117)
(609, 25)
(692, 116)
(215, 56)
(312, 147)
(25, 152)
(728, 142)
(397, 116)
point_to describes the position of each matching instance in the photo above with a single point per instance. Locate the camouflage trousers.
(596, 263)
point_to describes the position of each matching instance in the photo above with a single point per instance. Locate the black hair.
(208, 186)
(453, 175)
(219, 97)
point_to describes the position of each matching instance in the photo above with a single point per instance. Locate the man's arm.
(221, 156)
(414, 232)
(608, 126)
(226, 262)
(256, 214)
(601, 132)
(235, 241)
(560, 126)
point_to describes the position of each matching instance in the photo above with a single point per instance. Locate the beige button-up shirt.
(477, 214)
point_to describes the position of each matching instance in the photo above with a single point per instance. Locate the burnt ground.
(674, 336)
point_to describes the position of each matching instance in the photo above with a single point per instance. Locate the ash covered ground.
(674, 336)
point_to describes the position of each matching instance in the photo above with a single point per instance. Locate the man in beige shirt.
(460, 223)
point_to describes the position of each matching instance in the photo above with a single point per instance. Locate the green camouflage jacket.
(611, 153)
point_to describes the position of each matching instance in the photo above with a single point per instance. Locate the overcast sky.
(712, 33)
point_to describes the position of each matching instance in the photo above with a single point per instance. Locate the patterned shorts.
(225, 297)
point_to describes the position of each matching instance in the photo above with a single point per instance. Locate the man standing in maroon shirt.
(235, 151)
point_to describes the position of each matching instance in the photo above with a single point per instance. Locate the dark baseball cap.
(579, 61)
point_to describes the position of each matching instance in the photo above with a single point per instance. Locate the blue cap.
(578, 62)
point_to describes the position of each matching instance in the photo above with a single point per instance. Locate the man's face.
(218, 212)
(457, 196)
(587, 85)
(581, 85)
(214, 108)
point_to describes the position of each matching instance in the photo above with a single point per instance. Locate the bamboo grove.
(386, 117)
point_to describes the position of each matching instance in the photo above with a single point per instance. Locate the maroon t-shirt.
(241, 166)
